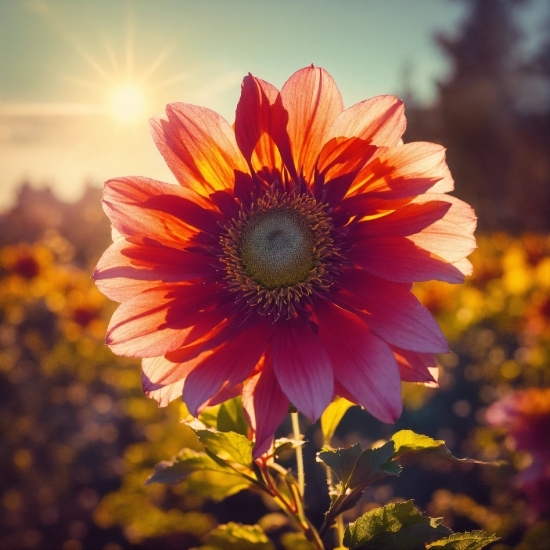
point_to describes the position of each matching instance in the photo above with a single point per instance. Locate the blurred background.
(79, 80)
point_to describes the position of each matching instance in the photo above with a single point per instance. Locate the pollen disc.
(277, 247)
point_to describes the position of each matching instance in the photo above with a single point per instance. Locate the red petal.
(339, 163)
(313, 101)
(158, 372)
(302, 367)
(228, 365)
(199, 147)
(451, 237)
(139, 328)
(392, 312)
(223, 395)
(416, 367)
(379, 120)
(408, 220)
(399, 259)
(363, 363)
(405, 171)
(126, 269)
(165, 394)
(145, 207)
(265, 406)
(259, 121)
(365, 205)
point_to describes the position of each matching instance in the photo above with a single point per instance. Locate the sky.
(80, 78)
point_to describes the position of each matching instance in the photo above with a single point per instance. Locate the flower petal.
(410, 219)
(339, 162)
(379, 120)
(160, 371)
(392, 312)
(416, 367)
(260, 119)
(405, 171)
(144, 207)
(226, 366)
(313, 101)
(199, 147)
(451, 237)
(164, 395)
(265, 405)
(363, 363)
(139, 326)
(126, 269)
(302, 367)
(399, 259)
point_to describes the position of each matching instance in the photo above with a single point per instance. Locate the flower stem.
(299, 453)
(340, 531)
(339, 523)
(292, 503)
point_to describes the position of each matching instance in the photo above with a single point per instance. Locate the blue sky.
(63, 62)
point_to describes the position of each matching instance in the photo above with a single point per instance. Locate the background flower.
(525, 418)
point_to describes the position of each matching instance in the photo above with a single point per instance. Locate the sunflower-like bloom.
(280, 268)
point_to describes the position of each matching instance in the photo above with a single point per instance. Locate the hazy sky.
(79, 78)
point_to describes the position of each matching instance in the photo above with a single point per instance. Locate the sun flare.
(127, 103)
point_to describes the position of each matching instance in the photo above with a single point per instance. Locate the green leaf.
(187, 462)
(341, 461)
(391, 468)
(369, 464)
(407, 441)
(231, 417)
(227, 446)
(475, 540)
(332, 416)
(208, 417)
(356, 468)
(397, 526)
(234, 536)
(284, 444)
(216, 485)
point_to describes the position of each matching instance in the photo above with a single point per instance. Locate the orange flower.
(281, 266)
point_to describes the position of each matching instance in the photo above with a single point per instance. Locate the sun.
(127, 103)
(126, 93)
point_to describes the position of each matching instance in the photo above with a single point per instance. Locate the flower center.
(280, 252)
(277, 247)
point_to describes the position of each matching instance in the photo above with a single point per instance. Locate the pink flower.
(281, 266)
(525, 416)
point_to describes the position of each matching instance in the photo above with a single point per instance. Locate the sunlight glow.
(127, 103)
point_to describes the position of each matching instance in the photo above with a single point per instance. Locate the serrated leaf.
(369, 463)
(397, 526)
(216, 485)
(474, 540)
(187, 462)
(332, 416)
(227, 446)
(234, 536)
(341, 461)
(356, 468)
(391, 468)
(407, 441)
(231, 417)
